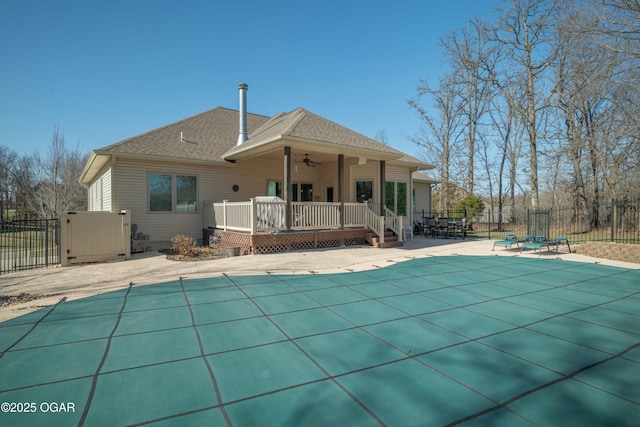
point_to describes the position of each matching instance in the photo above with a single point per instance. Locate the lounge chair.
(510, 240)
(562, 240)
(538, 243)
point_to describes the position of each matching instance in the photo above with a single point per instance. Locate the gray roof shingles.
(212, 135)
(304, 124)
(207, 136)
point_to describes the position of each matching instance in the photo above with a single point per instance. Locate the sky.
(104, 71)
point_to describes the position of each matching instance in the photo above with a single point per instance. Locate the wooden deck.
(276, 218)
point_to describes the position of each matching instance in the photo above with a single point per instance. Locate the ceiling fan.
(308, 161)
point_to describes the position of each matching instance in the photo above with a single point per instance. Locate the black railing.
(616, 221)
(29, 243)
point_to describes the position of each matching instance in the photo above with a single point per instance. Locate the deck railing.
(260, 216)
(235, 216)
(394, 222)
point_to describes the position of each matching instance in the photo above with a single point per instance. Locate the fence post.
(614, 215)
(489, 224)
(46, 243)
(65, 225)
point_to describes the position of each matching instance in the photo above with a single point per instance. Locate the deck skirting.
(264, 243)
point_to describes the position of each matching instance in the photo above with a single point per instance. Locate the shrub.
(184, 245)
(467, 207)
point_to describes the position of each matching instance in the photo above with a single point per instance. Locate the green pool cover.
(490, 341)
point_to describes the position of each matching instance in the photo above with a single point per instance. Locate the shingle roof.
(306, 125)
(206, 137)
(211, 136)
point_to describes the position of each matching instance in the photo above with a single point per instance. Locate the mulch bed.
(200, 254)
(8, 300)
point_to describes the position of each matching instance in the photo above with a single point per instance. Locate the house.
(174, 178)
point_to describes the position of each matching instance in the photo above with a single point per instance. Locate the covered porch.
(331, 179)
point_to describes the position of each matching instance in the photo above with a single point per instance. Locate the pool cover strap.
(94, 381)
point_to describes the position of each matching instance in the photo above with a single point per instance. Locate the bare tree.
(524, 33)
(508, 128)
(621, 23)
(440, 133)
(7, 161)
(597, 107)
(560, 77)
(381, 136)
(467, 52)
(48, 185)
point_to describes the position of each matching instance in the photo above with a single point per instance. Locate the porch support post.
(341, 188)
(286, 186)
(383, 186)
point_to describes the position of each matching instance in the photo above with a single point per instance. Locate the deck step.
(390, 240)
(392, 244)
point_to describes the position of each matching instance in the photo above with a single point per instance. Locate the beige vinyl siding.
(423, 198)
(215, 183)
(100, 192)
(397, 173)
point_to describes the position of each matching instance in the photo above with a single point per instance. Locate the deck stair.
(390, 240)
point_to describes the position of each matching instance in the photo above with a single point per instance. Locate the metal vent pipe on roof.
(242, 137)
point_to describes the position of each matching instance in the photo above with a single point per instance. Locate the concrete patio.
(435, 333)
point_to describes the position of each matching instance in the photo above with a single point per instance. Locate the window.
(186, 194)
(390, 195)
(159, 193)
(364, 191)
(173, 193)
(396, 197)
(274, 188)
(306, 192)
(299, 191)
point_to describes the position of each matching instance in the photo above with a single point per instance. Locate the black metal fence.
(616, 221)
(29, 243)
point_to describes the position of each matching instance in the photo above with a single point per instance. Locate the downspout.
(113, 182)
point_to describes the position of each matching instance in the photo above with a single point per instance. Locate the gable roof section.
(206, 137)
(422, 177)
(302, 126)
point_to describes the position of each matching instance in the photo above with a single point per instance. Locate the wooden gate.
(95, 237)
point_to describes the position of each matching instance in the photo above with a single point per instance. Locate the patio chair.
(418, 227)
(510, 240)
(459, 227)
(443, 226)
(430, 226)
(538, 243)
(407, 231)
